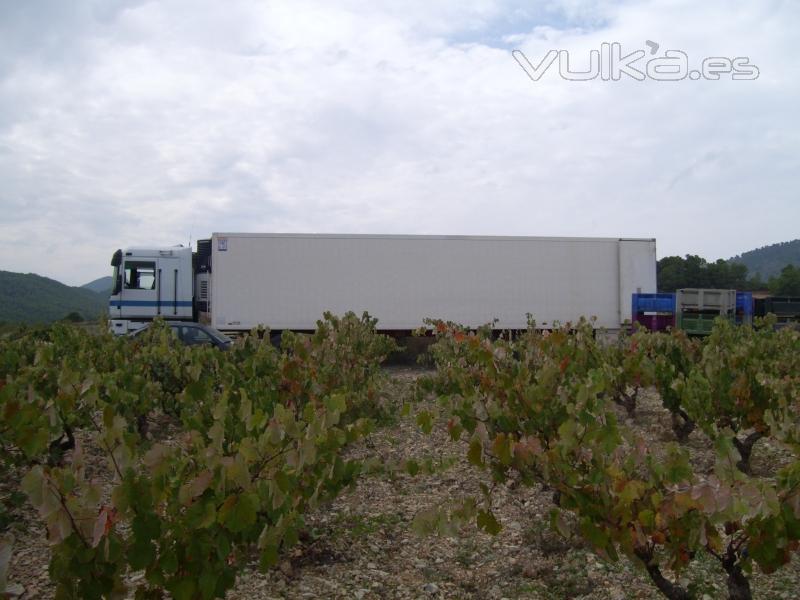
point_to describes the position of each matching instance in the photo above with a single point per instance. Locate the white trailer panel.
(637, 272)
(286, 281)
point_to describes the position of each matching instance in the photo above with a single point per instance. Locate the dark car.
(194, 334)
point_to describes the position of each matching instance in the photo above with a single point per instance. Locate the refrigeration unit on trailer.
(286, 281)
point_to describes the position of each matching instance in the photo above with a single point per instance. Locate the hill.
(100, 286)
(30, 298)
(769, 260)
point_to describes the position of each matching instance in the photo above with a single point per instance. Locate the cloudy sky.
(134, 122)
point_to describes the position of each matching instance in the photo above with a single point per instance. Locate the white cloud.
(143, 122)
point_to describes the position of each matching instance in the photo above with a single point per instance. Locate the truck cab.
(150, 283)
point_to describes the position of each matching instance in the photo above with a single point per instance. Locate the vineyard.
(545, 464)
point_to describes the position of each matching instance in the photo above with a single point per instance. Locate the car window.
(219, 335)
(194, 335)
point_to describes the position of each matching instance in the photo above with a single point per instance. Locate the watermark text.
(609, 63)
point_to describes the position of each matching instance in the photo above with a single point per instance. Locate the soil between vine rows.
(361, 545)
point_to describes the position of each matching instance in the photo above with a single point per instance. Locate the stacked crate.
(696, 309)
(655, 312)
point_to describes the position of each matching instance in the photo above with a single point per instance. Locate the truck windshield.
(116, 282)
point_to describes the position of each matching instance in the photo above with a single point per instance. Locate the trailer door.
(637, 272)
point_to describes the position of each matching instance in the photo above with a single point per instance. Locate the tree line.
(693, 271)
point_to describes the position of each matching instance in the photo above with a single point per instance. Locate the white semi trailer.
(236, 281)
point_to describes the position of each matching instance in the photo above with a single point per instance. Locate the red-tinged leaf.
(100, 527)
(502, 448)
(527, 449)
(641, 447)
(200, 483)
(59, 527)
(455, 429)
(534, 445)
(154, 457)
(794, 503)
(683, 556)
(639, 539)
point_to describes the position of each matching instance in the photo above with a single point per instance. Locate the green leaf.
(566, 432)
(632, 491)
(223, 545)
(183, 589)
(291, 534)
(202, 514)
(282, 481)
(336, 403)
(647, 518)
(425, 421)
(475, 453)
(140, 554)
(146, 526)
(169, 561)
(488, 522)
(593, 534)
(426, 521)
(238, 513)
(208, 584)
(32, 485)
(455, 430)
(269, 557)
(34, 443)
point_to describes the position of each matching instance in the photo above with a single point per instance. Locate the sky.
(126, 123)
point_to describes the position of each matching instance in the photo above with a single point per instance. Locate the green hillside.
(29, 298)
(770, 260)
(100, 286)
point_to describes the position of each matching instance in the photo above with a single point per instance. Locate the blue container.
(652, 303)
(744, 307)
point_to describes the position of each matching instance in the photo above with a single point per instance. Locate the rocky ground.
(362, 545)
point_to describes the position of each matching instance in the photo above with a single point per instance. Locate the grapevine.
(263, 434)
(537, 410)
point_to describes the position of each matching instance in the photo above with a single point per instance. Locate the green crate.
(697, 323)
